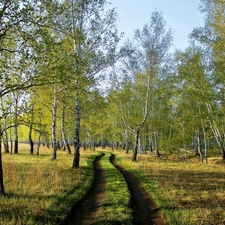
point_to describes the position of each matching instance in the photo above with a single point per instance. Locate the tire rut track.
(85, 211)
(145, 211)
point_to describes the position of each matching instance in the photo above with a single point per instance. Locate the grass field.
(189, 193)
(41, 191)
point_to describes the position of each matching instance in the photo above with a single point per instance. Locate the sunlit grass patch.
(115, 209)
(41, 191)
(187, 192)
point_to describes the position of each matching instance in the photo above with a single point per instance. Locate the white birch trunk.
(65, 142)
(16, 127)
(205, 143)
(30, 131)
(77, 46)
(76, 159)
(54, 142)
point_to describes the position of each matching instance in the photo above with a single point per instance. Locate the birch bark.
(65, 142)
(76, 159)
(30, 131)
(2, 191)
(77, 46)
(54, 141)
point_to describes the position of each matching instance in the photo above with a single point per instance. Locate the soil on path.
(85, 212)
(145, 211)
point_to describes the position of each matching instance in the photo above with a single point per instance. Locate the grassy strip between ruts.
(187, 192)
(41, 191)
(115, 208)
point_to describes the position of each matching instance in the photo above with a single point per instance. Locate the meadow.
(188, 192)
(41, 191)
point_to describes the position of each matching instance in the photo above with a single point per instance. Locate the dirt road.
(145, 211)
(85, 212)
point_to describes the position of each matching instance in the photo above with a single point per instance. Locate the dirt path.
(145, 210)
(85, 212)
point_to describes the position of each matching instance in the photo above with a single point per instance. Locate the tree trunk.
(2, 191)
(103, 142)
(126, 140)
(6, 145)
(5, 139)
(198, 143)
(31, 145)
(127, 146)
(65, 142)
(16, 142)
(76, 159)
(219, 140)
(39, 136)
(156, 143)
(205, 143)
(139, 145)
(136, 141)
(30, 132)
(10, 129)
(150, 140)
(222, 151)
(11, 145)
(39, 143)
(54, 142)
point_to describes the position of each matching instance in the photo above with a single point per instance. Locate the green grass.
(187, 192)
(41, 191)
(115, 209)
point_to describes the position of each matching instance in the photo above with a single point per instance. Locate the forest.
(68, 83)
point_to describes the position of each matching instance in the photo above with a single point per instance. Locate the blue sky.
(180, 15)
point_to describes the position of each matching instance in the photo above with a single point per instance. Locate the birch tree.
(195, 90)
(95, 48)
(54, 110)
(2, 189)
(211, 37)
(22, 25)
(145, 67)
(64, 137)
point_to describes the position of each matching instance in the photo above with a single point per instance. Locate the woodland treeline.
(67, 80)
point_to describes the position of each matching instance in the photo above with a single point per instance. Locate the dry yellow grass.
(188, 192)
(41, 191)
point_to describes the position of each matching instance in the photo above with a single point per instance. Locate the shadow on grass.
(187, 194)
(38, 208)
(114, 222)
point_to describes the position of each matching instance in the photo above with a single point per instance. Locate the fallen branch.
(184, 150)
